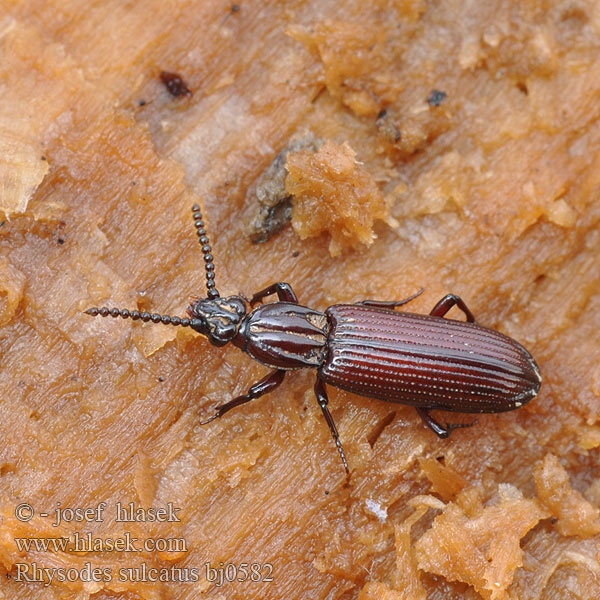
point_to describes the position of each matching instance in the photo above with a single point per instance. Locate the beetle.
(368, 348)
(175, 84)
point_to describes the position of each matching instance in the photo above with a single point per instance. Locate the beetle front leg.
(321, 394)
(284, 292)
(264, 386)
(447, 302)
(442, 431)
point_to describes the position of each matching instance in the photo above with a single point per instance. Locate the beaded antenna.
(212, 292)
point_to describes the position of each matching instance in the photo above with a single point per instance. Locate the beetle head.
(219, 319)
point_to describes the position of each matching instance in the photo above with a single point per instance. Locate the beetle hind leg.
(323, 400)
(442, 431)
(447, 302)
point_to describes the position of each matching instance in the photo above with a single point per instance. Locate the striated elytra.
(368, 348)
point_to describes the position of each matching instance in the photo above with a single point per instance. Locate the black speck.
(43, 158)
(161, 378)
(436, 97)
(142, 103)
(3, 224)
(61, 241)
(327, 492)
(134, 183)
(175, 84)
(295, 253)
(235, 8)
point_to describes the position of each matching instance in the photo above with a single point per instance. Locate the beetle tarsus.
(264, 386)
(447, 302)
(323, 400)
(442, 431)
(452, 426)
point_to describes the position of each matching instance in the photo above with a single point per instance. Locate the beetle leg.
(284, 292)
(447, 302)
(441, 430)
(390, 303)
(264, 386)
(438, 429)
(321, 394)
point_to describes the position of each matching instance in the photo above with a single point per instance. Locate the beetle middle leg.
(442, 431)
(323, 400)
(264, 386)
(447, 302)
(390, 303)
(284, 292)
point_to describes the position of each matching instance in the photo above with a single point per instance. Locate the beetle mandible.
(368, 348)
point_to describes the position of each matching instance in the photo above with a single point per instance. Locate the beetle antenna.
(134, 315)
(208, 257)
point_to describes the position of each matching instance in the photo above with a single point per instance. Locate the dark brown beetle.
(175, 84)
(367, 348)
